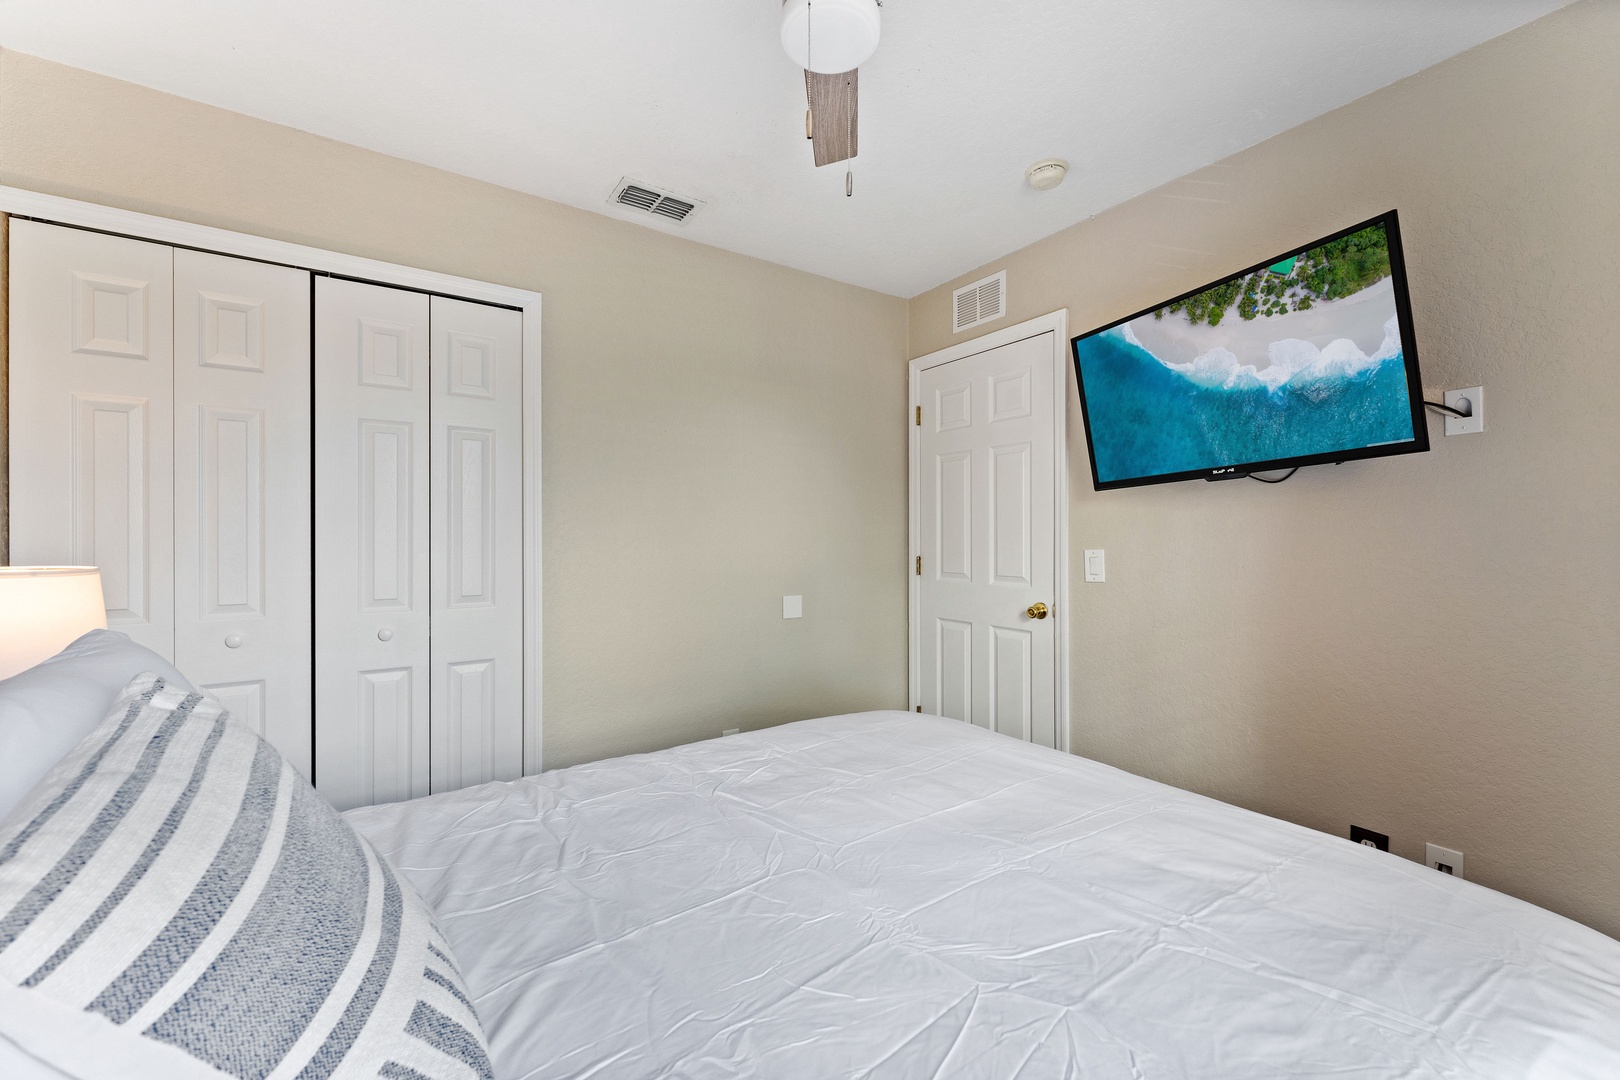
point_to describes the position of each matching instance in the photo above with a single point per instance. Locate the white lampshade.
(43, 609)
(830, 37)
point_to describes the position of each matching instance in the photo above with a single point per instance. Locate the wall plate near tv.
(1304, 359)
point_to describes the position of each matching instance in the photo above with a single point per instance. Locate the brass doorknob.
(1037, 610)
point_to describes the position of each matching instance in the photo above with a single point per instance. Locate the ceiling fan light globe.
(830, 36)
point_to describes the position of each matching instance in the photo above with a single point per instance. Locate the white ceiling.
(561, 98)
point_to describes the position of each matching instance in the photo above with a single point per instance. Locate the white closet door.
(477, 530)
(371, 542)
(243, 610)
(91, 425)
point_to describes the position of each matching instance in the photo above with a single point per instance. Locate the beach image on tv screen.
(1303, 357)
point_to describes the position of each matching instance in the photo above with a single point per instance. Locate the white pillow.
(177, 903)
(46, 710)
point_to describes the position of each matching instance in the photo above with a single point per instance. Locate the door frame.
(1057, 324)
(56, 210)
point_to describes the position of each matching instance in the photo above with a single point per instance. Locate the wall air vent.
(639, 196)
(981, 302)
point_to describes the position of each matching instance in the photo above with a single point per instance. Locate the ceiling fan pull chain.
(809, 55)
(849, 181)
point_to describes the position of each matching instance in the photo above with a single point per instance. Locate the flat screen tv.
(1304, 359)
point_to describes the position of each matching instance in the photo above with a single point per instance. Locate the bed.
(892, 895)
(874, 895)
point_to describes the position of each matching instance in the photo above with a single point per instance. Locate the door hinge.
(919, 566)
(919, 416)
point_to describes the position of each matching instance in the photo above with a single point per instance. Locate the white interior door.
(91, 418)
(243, 609)
(477, 544)
(371, 542)
(987, 501)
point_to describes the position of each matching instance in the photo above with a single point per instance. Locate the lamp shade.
(43, 609)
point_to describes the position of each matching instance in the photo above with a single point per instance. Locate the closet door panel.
(243, 544)
(91, 417)
(477, 543)
(371, 542)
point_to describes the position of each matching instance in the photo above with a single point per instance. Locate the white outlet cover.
(1436, 857)
(792, 607)
(1469, 399)
(1096, 568)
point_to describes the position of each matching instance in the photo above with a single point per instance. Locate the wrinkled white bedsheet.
(891, 895)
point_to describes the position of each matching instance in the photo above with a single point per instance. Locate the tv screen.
(1303, 359)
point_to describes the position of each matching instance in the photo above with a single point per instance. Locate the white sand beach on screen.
(1360, 317)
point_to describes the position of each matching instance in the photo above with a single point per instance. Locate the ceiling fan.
(831, 39)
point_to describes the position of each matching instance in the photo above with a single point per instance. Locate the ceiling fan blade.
(834, 132)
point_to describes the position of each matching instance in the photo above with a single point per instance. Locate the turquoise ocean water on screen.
(1149, 418)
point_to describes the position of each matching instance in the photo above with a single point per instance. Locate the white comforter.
(891, 895)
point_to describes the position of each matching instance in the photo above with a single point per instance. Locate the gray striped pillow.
(175, 876)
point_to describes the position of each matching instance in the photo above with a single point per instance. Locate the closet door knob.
(233, 641)
(385, 634)
(1037, 611)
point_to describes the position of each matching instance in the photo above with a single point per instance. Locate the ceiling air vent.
(981, 302)
(639, 196)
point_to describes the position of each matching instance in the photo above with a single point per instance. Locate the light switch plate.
(792, 607)
(1096, 570)
(1469, 399)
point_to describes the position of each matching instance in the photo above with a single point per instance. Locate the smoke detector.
(1046, 175)
(830, 37)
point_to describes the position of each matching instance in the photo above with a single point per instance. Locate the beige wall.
(718, 431)
(1430, 645)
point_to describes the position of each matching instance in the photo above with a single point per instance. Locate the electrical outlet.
(1368, 838)
(1443, 859)
(1470, 400)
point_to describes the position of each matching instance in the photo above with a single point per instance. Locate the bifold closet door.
(477, 544)
(91, 417)
(371, 542)
(243, 558)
